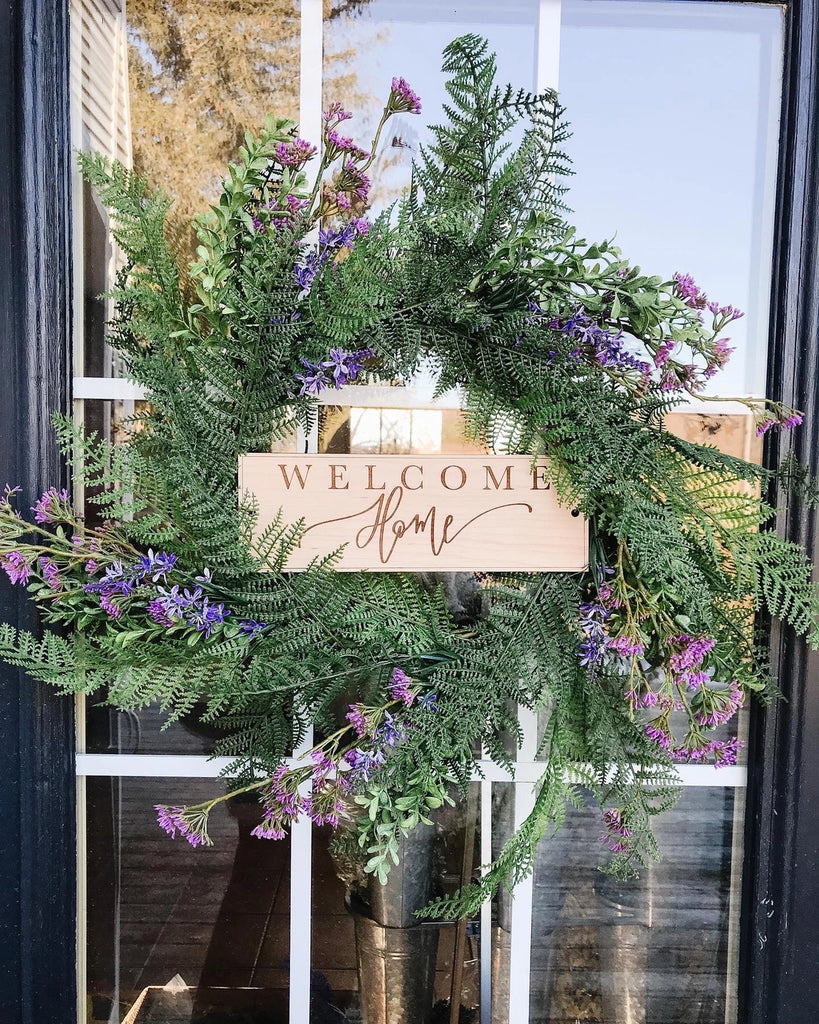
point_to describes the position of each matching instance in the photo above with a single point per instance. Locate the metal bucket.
(396, 954)
(409, 884)
(396, 970)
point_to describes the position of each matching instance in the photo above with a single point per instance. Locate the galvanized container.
(409, 884)
(396, 953)
(396, 970)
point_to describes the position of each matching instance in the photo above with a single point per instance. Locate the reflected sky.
(674, 110)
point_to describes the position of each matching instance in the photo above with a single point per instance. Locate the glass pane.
(111, 731)
(366, 45)
(169, 87)
(217, 917)
(393, 431)
(200, 75)
(144, 731)
(368, 947)
(655, 950)
(675, 157)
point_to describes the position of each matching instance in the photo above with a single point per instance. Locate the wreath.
(562, 349)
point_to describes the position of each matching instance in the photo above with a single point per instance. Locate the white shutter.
(99, 77)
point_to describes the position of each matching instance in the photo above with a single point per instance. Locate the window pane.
(369, 949)
(366, 47)
(393, 431)
(200, 75)
(111, 731)
(674, 109)
(218, 917)
(658, 949)
(169, 87)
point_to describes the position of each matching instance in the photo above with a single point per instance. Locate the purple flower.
(173, 602)
(616, 831)
(399, 687)
(626, 647)
(91, 566)
(337, 364)
(392, 731)
(695, 754)
(294, 154)
(722, 351)
(600, 344)
(358, 720)
(303, 275)
(314, 381)
(117, 580)
(48, 507)
(692, 652)
(252, 627)
(156, 566)
(294, 204)
(17, 568)
(659, 735)
(716, 708)
(593, 616)
(402, 98)
(642, 699)
(429, 702)
(355, 180)
(364, 762)
(157, 612)
(335, 112)
(340, 369)
(785, 421)
(50, 573)
(205, 616)
(170, 819)
(267, 830)
(173, 820)
(192, 607)
(340, 144)
(663, 352)
(725, 752)
(578, 319)
(670, 381)
(112, 610)
(360, 225)
(688, 290)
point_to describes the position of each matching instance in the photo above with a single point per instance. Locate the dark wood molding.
(37, 837)
(779, 980)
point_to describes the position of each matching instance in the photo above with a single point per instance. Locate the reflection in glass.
(393, 431)
(109, 730)
(653, 950)
(366, 45)
(216, 916)
(674, 110)
(369, 950)
(200, 75)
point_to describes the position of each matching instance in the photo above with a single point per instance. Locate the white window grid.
(528, 770)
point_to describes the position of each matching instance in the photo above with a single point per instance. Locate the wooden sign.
(397, 513)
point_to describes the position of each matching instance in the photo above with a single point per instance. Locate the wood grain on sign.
(398, 513)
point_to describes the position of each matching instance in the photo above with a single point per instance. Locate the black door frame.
(779, 945)
(779, 955)
(37, 806)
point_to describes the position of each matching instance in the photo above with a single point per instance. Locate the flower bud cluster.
(319, 788)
